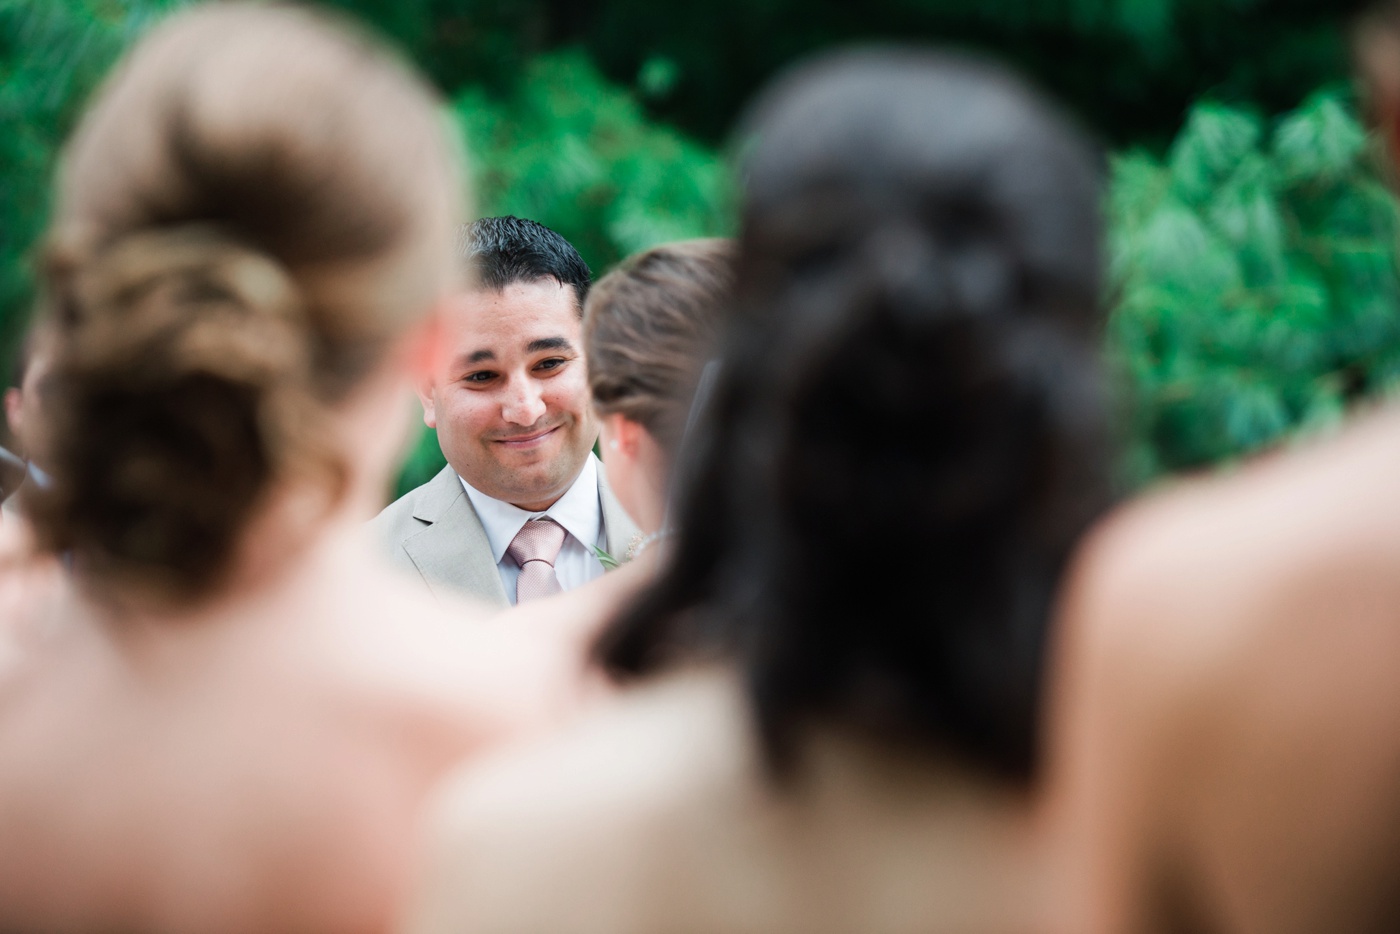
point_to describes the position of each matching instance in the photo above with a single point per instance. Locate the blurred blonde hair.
(259, 200)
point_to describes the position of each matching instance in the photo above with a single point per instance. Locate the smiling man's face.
(509, 392)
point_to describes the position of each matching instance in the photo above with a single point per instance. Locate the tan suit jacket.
(435, 531)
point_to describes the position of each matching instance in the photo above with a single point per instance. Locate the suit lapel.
(452, 552)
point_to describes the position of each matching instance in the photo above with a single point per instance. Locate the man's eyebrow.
(476, 356)
(548, 343)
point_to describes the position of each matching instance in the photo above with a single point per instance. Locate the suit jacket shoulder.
(434, 531)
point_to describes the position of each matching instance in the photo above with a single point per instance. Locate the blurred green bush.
(1131, 68)
(1255, 288)
(51, 56)
(1257, 293)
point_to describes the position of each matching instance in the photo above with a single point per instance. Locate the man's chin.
(527, 491)
(528, 477)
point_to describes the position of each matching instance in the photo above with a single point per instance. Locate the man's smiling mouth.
(526, 441)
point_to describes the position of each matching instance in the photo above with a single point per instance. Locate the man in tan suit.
(522, 509)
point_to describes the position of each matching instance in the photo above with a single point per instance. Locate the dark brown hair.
(649, 326)
(256, 204)
(907, 436)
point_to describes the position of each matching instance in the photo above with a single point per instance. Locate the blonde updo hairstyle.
(259, 201)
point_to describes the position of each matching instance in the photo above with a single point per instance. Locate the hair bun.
(208, 302)
(181, 385)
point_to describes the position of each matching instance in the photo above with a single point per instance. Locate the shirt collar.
(579, 511)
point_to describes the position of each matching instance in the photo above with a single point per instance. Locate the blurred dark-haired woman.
(833, 718)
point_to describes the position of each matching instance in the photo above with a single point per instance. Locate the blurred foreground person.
(13, 473)
(649, 327)
(1228, 734)
(834, 728)
(226, 721)
(1228, 725)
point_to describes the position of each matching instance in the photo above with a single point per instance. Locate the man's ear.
(425, 397)
(422, 353)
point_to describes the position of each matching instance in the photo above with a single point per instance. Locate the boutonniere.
(608, 561)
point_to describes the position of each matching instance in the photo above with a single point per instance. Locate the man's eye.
(553, 363)
(480, 377)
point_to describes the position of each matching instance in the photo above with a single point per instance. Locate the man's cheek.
(467, 415)
(574, 395)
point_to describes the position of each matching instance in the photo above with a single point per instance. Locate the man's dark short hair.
(501, 251)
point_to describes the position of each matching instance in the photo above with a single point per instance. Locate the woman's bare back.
(257, 766)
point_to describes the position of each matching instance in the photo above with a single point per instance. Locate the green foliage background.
(1257, 289)
(1252, 245)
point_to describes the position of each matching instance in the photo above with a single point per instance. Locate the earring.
(612, 444)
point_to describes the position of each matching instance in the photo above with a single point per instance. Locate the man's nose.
(524, 403)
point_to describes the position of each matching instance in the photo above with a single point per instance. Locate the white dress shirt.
(579, 511)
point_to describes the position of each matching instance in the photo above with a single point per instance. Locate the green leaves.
(608, 562)
(1253, 265)
(52, 55)
(575, 152)
(1319, 143)
(1257, 284)
(1210, 149)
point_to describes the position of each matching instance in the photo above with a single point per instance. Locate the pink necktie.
(534, 548)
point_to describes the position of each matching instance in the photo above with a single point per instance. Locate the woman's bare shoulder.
(1193, 571)
(1225, 645)
(635, 749)
(397, 651)
(575, 812)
